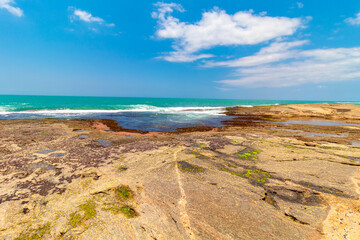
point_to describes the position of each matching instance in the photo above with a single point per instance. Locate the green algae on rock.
(256, 175)
(123, 193)
(128, 211)
(118, 200)
(35, 234)
(248, 154)
(85, 212)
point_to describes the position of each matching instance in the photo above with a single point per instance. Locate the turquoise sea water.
(154, 114)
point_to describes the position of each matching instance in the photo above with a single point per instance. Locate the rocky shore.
(275, 172)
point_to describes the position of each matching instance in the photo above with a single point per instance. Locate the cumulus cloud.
(275, 52)
(355, 20)
(87, 17)
(8, 5)
(217, 28)
(280, 63)
(300, 67)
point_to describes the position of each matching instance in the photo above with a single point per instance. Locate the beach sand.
(257, 178)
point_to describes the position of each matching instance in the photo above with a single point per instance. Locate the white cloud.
(281, 63)
(86, 16)
(8, 5)
(81, 15)
(217, 28)
(183, 56)
(276, 52)
(302, 66)
(355, 20)
(300, 4)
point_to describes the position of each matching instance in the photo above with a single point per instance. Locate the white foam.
(3, 110)
(249, 106)
(130, 108)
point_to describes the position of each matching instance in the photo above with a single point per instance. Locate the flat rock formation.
(258, 178)
(345, 112)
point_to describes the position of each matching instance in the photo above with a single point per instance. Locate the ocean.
(149, 114)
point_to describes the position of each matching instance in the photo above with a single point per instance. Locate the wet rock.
(103, 142)
(46, 151)
(42, 165)
(354, 159)
(58, 155)
(83, 136)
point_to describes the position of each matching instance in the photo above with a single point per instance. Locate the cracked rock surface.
(245, 181)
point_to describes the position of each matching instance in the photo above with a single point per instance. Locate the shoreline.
(261, 115)
(251, 114)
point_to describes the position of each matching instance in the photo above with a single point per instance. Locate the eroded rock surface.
(245, 181)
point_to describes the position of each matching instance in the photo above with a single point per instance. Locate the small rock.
(83, 136)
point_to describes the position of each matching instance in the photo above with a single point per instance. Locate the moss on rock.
(85, 212)
(35, 234)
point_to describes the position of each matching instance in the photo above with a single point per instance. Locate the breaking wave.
(117, 109)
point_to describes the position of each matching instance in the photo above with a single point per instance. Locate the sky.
(260, 49)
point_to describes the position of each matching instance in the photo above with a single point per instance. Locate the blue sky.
(278, 49)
